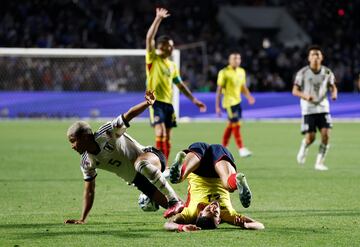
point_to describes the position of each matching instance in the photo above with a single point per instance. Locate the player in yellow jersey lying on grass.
(211, 173)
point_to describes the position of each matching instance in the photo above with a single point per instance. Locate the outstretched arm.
(242, 221)
(245, 90)
(174, 224)
(88, 200)
(150, 36)
(334, 91)
(186, 91)
(139, 108)
(217, 100)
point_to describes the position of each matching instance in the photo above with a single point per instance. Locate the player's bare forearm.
(248, 95)
(141, 107)
(186, 91)
(334, 92)
(172, 226)
(298, 93)
(150, 36)
(89, 195)
(88, 200)
(217, 100)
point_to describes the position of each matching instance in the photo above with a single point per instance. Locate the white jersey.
(317, 86)
(118, 152)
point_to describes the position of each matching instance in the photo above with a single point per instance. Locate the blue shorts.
(234, 113)
(209, 155)
(161, 112)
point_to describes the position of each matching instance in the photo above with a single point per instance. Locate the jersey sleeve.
(331, 78)
(176, 76)
(221, 79)
(119, 125)
(299, 79)
(150, 56)
(88, 171)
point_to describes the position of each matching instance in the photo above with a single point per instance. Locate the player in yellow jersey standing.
(231, 84)
(161, 74)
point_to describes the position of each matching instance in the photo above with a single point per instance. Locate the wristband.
(181, 227)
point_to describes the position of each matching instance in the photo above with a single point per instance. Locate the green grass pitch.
(41, 185)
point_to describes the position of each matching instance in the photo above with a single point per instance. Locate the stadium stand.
(123, 24)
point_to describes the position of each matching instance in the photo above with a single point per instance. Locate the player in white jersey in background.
(312, 84)
(111, 149)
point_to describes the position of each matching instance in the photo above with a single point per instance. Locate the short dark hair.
(314, 47)
(233, 52)
(163, 39)
(205, 222)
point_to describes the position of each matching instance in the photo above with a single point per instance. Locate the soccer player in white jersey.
(311, 85)
(111, 149)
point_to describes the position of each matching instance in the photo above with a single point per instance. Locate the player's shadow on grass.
(308, 213)
(58, 230)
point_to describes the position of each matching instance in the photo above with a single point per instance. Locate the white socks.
(155, 176)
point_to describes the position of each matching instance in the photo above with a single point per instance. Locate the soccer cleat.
(321, 167)
(175, 169)
(244, 190)
(175, 208)
(244, 152)
(301, 156)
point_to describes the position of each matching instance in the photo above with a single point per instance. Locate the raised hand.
(190, 228)
(162, 13)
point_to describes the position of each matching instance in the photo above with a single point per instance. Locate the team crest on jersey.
(166, 72)
(109, 147)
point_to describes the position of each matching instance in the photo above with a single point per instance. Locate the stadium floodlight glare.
(125, 66)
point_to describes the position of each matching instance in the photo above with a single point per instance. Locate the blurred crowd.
(195, 30)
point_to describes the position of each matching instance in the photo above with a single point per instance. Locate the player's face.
(315, 57)
(78, 143)
(212, 211)
(166, 48)
(234, 60)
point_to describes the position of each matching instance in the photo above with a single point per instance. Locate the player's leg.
(157, 121)
(232, 181)
(236, 115)
(150, 165)
(308, 129)
(183, 165)
(170, 122)
(225, 168)
(187, 161)
(325, 125)
(227, 134)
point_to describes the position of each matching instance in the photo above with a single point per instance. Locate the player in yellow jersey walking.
(161, 74)
(231, 84)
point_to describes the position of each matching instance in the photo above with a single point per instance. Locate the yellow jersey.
(160, 75)
(231, 80)
(205, 190)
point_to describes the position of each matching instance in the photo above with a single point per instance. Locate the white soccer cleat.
(301, 157)
(244, 152)
(321, 167)
(175, 169)
(243, 189)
